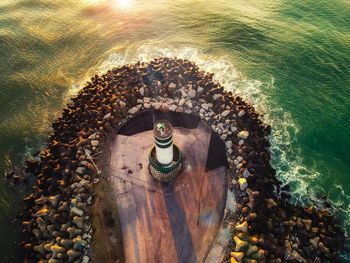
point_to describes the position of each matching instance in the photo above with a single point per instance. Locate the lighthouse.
(163, 138)
(165, 157)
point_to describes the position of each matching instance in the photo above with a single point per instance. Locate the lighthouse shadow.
(181, 233)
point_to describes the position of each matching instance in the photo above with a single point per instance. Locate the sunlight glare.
(93, 2)
(124, 4)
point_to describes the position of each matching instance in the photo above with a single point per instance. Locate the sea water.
(290, 59)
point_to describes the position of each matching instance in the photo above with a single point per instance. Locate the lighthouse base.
(167, 173)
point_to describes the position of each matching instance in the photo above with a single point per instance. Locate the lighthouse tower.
(165, 157)
(163, 137)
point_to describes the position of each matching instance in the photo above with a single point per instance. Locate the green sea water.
(290, 59)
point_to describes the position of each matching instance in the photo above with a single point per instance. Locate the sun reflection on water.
(120, 4)
(124, 4)
(93, 2)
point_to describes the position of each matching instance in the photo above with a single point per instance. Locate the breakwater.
(265, 227)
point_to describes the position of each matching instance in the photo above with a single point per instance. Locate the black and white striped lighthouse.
(165, 157)
(163, 137)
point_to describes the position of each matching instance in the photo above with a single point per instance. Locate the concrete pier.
(167, 222)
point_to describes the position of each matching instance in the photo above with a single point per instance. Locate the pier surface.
(167, 222)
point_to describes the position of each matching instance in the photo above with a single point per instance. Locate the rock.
(87, 236)
(81, 170)
(205, 106)
(216, 96)
(241, 113)
(52, 260)
(270, 203)
(296, 256)
(76, 211)
(28, 246)
(172, 107)
(246, 173)
(182, 102)
(233, 128)
(37, 233)
(56, 249)
(133, 110)
(240, 244)
(237, 255)
(314, 241)
(92, 136)
(157, 105)
(40, 248)
(67, 243)
(172, 87)
(252, 195)
(50, 228)
(323, 248)
(78, 221)
(73, 232)
(290, 223)
(256, 240)
(122, 105)
(260, 255)
(63, 207)
(243, 134)
(142, 91)
(314, 229)
(225, 113)
(95, 143)
(192, 94)
(72, 254)
(200, 90)
(79, 243)
(42, 212)
(243, 227)
(251, 216)
(223, 137)
(47, 245)
(146, 99)
(251, 250)
(229, 144)
(189, 104)
(245, 210)
(243, 184)
(86, 259)
(42, 200)
(307, 223)
(41, 224)
(107, 116)
(54, 200)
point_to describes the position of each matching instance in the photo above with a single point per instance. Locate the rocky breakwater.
(265, 228)
(268, 227)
